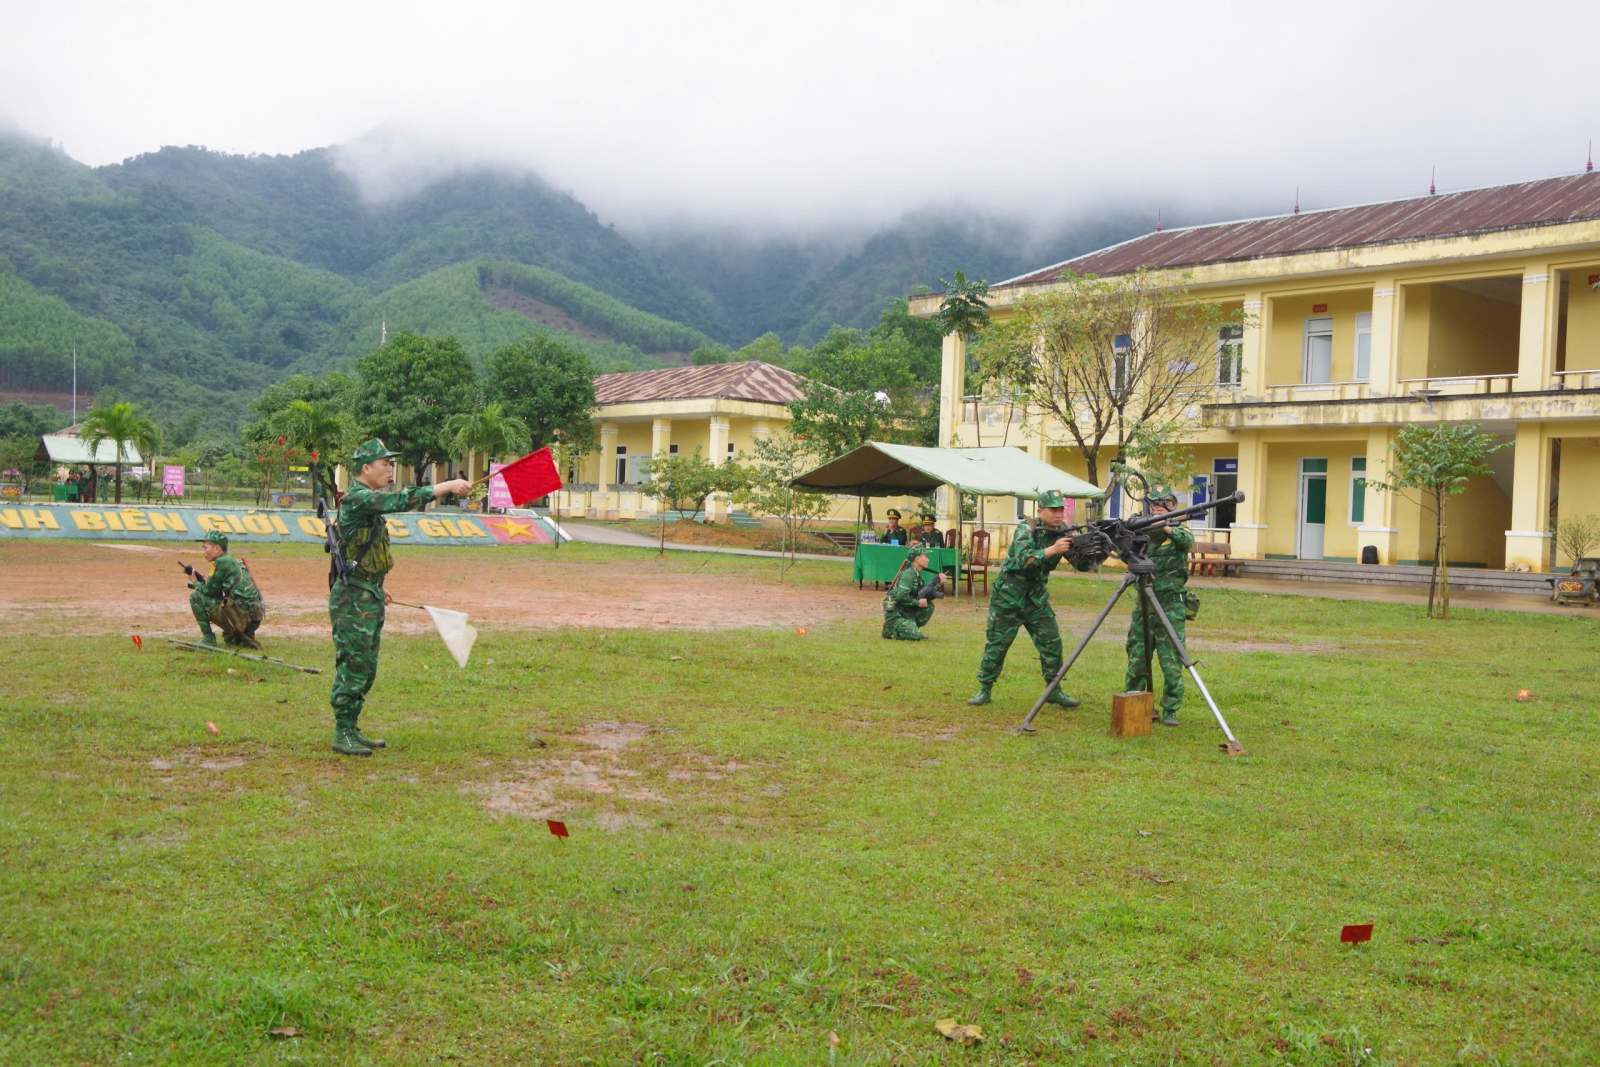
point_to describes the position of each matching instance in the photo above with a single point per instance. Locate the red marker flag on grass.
(530, 477)
(1355, 933)
(557, 827)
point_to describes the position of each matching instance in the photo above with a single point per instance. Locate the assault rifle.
(338, 569)
(931, 591)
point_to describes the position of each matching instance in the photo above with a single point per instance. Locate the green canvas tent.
(878, 469)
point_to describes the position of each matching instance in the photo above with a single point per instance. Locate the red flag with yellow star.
(530, 477)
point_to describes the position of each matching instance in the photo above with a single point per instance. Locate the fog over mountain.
(836, 117)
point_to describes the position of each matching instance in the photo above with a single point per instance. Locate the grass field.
(805, 849)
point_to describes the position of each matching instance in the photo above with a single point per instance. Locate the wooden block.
(1131, 714)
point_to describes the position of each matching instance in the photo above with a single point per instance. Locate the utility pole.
(74, 385)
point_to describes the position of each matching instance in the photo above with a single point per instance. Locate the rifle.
(931, 591)
(338, 569)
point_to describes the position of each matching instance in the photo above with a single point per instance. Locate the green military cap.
(1162, 495)
(893, 513)
(368, 451)
(1051, 498)
(215, 537)
(927, 517)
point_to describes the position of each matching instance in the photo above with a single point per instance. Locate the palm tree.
(122, 425)
(317, 428)
(488, 430)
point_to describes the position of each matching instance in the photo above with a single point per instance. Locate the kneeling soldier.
(908, 606)
(228, 598)
(356, 598)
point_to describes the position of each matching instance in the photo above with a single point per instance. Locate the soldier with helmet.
(356, 598)
(1169, 551)
(229, 597)
(1021, 598)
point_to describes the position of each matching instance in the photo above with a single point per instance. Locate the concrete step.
(1474, 578)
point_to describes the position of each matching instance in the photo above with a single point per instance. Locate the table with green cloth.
(880, 563)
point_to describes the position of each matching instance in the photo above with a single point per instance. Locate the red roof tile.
(750, 380)
(1502, 207)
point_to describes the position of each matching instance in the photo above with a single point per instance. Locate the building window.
(730, 449)
(672, 450)
(1121, 349)
(1358, 490)
(622, 464)
(1318, 351)
(1363, 358)
(1230, 355)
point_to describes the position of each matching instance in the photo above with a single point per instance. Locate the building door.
(1318, 351)
(1224, 481)
(1313, 508)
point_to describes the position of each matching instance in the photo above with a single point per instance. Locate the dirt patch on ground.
(81, 587)
(188, 759)
(546, 789)
(540, 312)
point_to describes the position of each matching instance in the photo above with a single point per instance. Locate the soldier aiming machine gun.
(1129, 540)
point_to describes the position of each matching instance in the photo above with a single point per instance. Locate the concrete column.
(1380, 528)
(760, 430)
(1249, 536)
(952, 385)
(608, 456)
(717, 503)
(1253, 346)
(1536, 344)
(1528, 540)
(660, 436)
(1388, 310)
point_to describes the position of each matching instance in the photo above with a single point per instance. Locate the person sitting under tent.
(929, 536)
(908, 607)
(228, 598)
(894, 533)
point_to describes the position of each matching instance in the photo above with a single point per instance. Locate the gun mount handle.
(1146, 521)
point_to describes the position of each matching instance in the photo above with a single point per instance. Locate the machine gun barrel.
(1146, 521)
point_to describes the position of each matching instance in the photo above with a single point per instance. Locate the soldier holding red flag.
(356, 598)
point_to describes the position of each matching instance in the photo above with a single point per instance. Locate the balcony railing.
(1578, 379)
(1460, 384)
(1313, 391)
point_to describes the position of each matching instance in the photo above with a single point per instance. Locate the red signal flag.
(557, 827)
(1354, 934)
(138, 642)
(530, 477)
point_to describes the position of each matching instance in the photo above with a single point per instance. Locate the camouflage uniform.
(903, 620)
(228, 598)
(1021, 598)
(1169, 551)
(355, 605)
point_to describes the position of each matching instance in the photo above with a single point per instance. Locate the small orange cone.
(801, 630)
(1524, 694)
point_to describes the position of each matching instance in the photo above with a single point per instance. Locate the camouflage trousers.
(902, 625)
(1138, 679)
(238, 620)
(1008, 613)
(356, 609)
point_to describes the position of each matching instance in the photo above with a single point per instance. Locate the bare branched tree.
(1111, 358)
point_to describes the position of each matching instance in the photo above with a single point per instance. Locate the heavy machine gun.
(1129, 540)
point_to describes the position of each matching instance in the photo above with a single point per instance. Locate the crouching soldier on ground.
(908, 606)
(228, 598)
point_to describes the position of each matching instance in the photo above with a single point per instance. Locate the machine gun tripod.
(1130, 542)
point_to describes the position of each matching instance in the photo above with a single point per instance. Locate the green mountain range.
(189, 280)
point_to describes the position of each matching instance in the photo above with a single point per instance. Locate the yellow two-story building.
(1477, 306)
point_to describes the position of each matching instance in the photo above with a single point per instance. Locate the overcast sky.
(816, 113)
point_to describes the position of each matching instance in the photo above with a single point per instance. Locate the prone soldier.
(229, 597)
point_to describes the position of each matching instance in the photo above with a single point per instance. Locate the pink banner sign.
(499, 495)
(171, 480)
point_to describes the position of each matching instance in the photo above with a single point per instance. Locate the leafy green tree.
(488, 430)
(1108, 356)
(1437, 462)
(30, 420)
(319, 430)
(549, 387)
(858, 390)
(924, 338)
(409, 389)
(777, 461)
(683, 482)
(708, 355)
(965, 308)
(121, 424)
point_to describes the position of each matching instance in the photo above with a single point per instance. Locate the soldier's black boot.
(980, 697)
(368, 741)
(347, 741)
(1058, 697)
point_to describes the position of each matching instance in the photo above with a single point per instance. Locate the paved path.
(1387, 594)
(613, 535)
